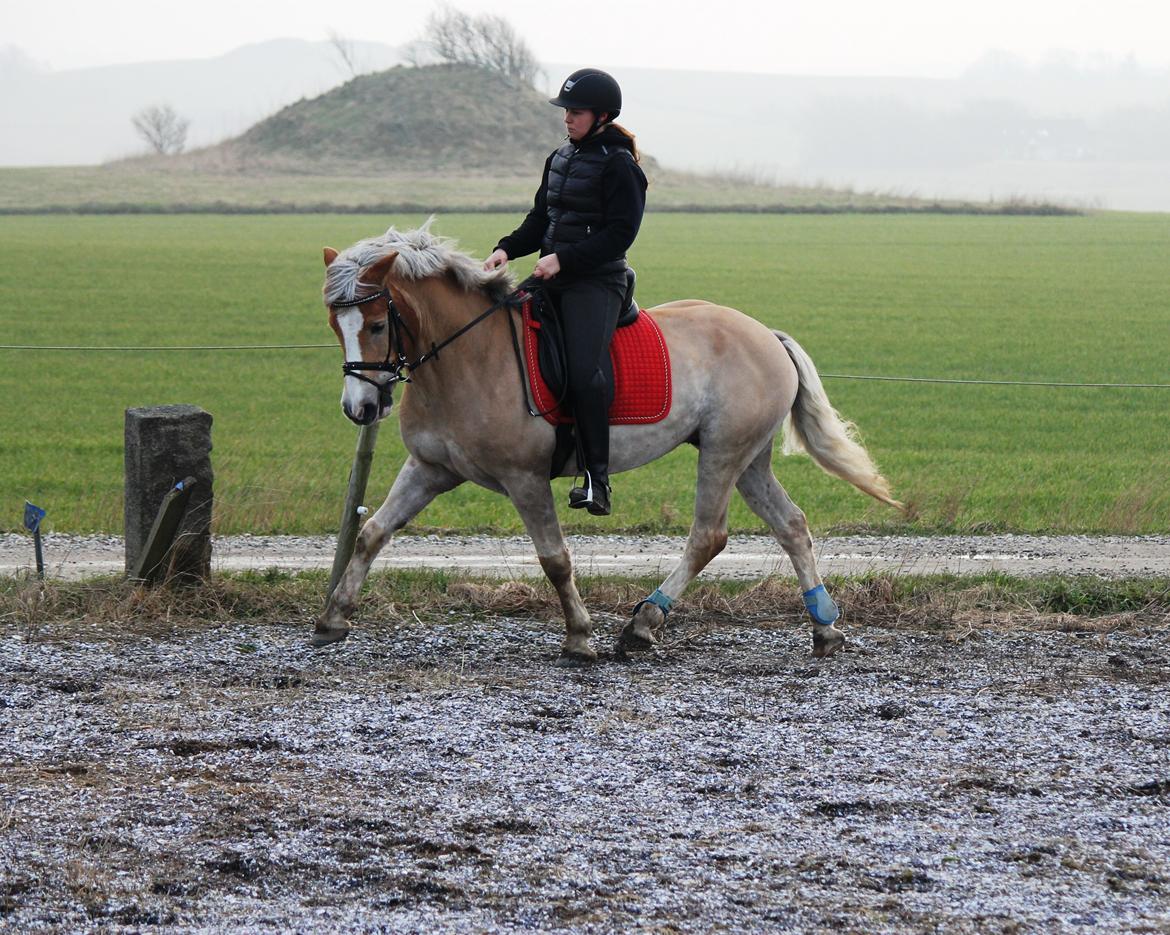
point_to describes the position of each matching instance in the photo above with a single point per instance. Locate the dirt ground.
(444, 775)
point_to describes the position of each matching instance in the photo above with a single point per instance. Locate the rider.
(584, 218)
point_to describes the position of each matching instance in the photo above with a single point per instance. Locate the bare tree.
(347, 51)
(487, 41)
(162, 128)
(418, 52)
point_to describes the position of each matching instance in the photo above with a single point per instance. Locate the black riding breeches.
(589, 313)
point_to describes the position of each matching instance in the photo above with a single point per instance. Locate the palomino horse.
(401, 305)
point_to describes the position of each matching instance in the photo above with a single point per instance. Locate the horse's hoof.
(827, 641)
(576, 658)
(635, 638)
(327, 637)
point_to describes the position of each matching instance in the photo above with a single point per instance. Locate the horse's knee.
(794, 532)
(369, 542)
(557, 568)
(708, 543)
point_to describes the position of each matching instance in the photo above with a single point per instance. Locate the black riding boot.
(589, 312)
(591, 413)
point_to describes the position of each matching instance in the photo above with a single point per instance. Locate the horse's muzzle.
(368, 413)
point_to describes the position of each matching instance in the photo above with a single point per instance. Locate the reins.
(401, 367)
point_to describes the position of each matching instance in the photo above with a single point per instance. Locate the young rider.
(584, 218)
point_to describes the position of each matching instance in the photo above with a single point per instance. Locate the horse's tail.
(816, 427)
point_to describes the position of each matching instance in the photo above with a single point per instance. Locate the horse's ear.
(330, 255)
(378, 272)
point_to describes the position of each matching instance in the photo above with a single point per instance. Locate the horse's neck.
(441, 310)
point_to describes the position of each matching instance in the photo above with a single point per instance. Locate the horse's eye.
(377, 327)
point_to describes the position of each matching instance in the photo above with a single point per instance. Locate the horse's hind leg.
(708, 536)
(769, 501)
(416, 485)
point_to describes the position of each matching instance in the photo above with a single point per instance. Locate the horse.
(411, 309)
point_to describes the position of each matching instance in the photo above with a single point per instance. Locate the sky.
(928, 38)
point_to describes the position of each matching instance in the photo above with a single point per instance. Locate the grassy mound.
(434, 117)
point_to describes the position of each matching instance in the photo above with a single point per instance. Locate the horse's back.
(721, 355)
(706, 331)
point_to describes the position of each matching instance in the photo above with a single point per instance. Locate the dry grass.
(954, 605)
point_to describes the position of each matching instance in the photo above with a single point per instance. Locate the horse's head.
(436, 286)
(365, 325)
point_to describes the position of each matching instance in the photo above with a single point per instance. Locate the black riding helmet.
(590, 89)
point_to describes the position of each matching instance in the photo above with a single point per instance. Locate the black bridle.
(400, 366)
(397, 364)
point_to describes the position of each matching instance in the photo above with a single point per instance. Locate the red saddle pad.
(641, 373)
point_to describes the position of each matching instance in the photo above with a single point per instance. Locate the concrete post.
(164, 444)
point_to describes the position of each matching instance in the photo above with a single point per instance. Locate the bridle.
(399, 368)
(397, 364)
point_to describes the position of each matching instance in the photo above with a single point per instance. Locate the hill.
(437, 137)
(1083, 134)
(406, 118)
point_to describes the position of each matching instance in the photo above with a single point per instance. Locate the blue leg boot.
(827, 639)
(637, 633)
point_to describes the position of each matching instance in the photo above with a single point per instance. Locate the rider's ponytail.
(629, 136)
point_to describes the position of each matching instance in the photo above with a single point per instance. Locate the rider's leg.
(589, 313)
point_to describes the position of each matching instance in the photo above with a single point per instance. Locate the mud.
(444, 775)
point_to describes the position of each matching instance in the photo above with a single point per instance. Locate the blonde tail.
(814, 426)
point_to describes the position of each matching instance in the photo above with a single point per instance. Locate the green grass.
(1080, 299)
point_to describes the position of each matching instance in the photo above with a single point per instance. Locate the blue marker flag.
(32, 516)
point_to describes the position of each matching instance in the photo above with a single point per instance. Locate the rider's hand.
(496, 260)
(547, 267)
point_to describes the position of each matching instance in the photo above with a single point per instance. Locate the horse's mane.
(421, 254)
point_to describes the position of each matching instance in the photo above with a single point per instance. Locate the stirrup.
(594, 497)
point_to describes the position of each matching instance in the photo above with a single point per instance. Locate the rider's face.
(577, 123)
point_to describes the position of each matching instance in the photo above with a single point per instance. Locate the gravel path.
(745, 557)
(445, 776)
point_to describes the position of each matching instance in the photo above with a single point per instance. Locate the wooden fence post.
(165, 445)
(359, 474)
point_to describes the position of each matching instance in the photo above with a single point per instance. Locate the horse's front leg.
(417, 484)
(533, 499)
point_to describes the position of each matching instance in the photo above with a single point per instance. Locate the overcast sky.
(934, 38)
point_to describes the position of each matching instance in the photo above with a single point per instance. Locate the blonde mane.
(421, 254)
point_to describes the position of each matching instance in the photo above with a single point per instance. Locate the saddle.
(551, 338)
(641, 369)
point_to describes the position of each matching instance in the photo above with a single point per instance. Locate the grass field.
(151, 186)
(1077, 299)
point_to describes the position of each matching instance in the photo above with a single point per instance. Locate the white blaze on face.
(354, 392)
